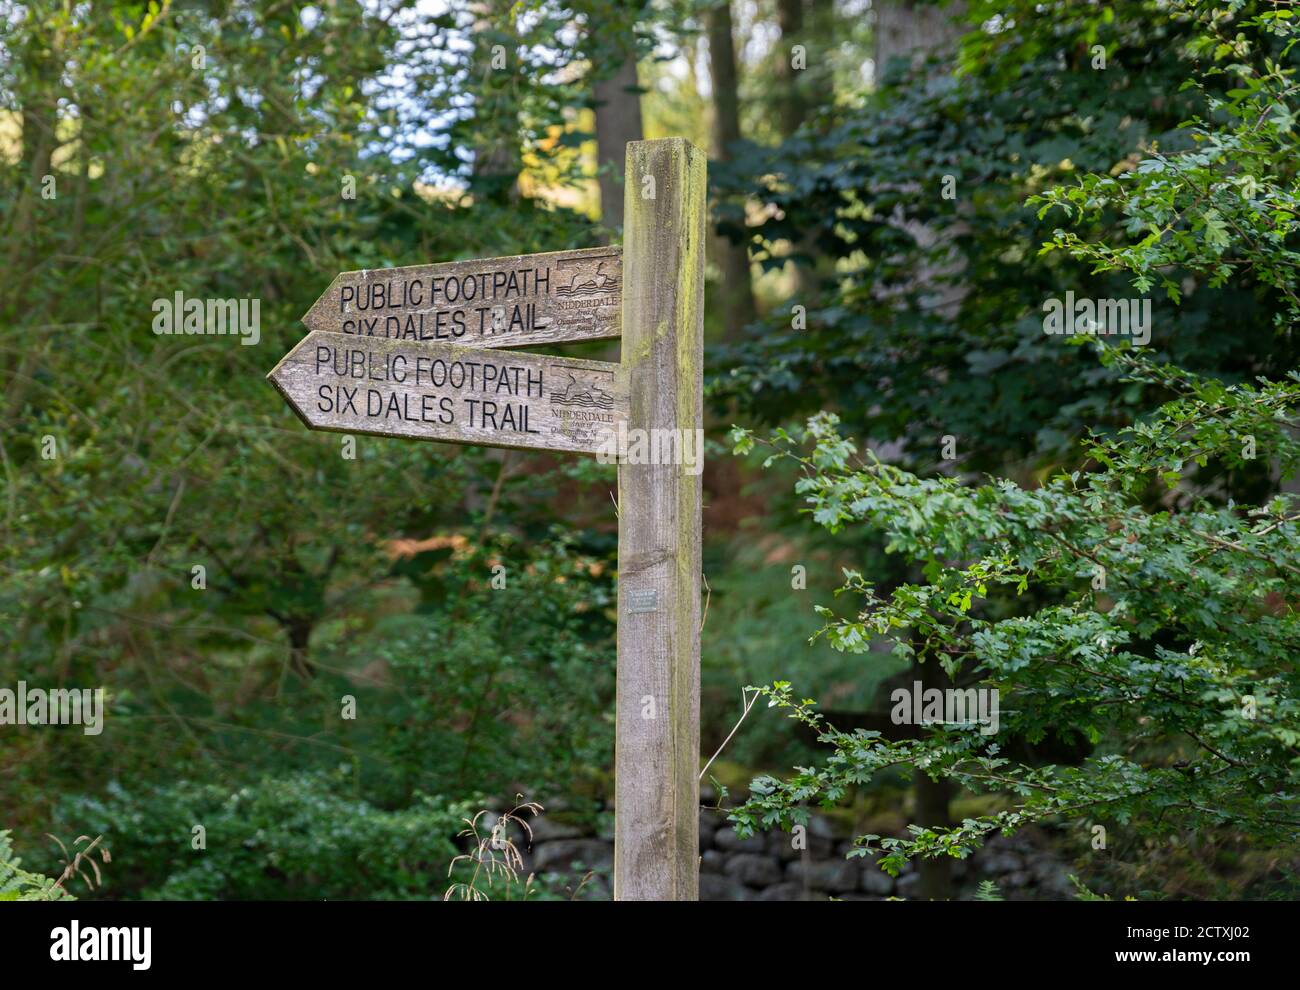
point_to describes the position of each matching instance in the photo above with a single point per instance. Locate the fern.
(1082, 893)
(17, 884)
(988, 891)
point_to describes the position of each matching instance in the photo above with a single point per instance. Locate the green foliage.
(17, 884)
(207, 149)
(924, 318)
(492, 689)
(751, 578)
(280, 838)
(1084, 894)
(1226, 206)
(1168, 633)
(1140, 595)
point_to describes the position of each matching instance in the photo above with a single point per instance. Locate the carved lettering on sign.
(529, 299)
(456, 394)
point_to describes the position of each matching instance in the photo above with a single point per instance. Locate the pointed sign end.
(314, 318)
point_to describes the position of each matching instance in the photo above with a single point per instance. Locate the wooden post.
(657, 745)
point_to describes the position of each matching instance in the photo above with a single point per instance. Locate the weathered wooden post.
(657, 747)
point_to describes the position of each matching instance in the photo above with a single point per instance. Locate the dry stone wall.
(768, 867)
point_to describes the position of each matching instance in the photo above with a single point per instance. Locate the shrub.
(1168, 634)
(283, 838)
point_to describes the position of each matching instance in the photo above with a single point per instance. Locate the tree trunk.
(791, 111)
(499, 159)
(789, 17)
(618, 122)
(20, 302)
(932, 797)
(736, 292)
(907, 29)
(821, 32)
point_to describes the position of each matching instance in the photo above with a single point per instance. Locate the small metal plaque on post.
(642, 600)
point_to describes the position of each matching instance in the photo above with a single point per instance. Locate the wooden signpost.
(397, 388)
(416, 352)
(526, 300)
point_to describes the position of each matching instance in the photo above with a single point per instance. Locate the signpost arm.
(657, 747)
